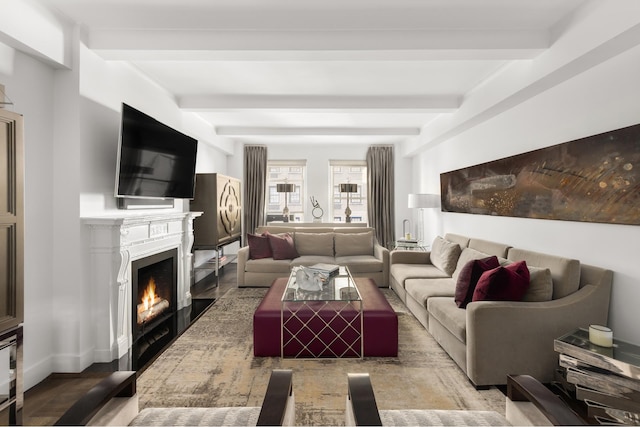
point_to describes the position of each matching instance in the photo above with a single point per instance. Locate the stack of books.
(328, 271)
(607, 379)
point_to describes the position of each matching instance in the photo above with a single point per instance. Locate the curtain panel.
(380, 177)
(255, 178)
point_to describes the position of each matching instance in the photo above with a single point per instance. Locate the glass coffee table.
(321, 320)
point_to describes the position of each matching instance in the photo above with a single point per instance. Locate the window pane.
(289, 173)
(344, 173)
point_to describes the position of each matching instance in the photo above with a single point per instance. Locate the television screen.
(154, 160)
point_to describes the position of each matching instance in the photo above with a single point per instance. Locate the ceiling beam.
(152, 44)
(318, 131)
(429, 104)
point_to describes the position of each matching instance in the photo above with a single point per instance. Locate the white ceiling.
(320, 71)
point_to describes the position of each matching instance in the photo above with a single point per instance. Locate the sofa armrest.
(117, 384)
(518, 336)
(242, 258)
(525, 388)
(382, 253)
(278, 406)
(409, 257)
(361, 409)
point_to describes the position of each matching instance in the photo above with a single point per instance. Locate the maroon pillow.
(508, 283)
(468, 278)
(282, 246)
(259, 246)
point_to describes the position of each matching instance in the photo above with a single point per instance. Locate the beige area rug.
(212, 364)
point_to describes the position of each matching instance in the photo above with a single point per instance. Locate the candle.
(601, 335)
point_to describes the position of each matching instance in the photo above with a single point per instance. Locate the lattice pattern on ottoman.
(322, 329)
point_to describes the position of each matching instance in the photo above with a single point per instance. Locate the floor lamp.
(348, 188)
(421, 202)
(286, 189)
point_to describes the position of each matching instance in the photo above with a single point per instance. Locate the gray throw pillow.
(349, 244)
(314, 243)
(540, 285)
(444, 255)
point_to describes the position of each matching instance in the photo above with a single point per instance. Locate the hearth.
(153, 294)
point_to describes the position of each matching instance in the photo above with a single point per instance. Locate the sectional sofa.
(491, 339)
(355, 247)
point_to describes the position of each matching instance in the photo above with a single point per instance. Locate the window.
(289, 172)
(351, 172)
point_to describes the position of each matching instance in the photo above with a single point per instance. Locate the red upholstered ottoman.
(380, 322)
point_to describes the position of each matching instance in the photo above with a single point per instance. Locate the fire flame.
(149, 295)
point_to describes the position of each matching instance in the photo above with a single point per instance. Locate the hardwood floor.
(48, 400)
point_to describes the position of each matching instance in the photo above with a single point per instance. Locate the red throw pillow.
(469, 276)
(282, 246)
(508, 283)
(259, 246)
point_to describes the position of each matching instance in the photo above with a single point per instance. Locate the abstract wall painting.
(593, 179)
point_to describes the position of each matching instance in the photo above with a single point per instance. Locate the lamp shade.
(424, 200)
(284, 188)
(348, 188)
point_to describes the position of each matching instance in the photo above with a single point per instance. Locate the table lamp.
(423, 201)
(285, 188)
(348, 188)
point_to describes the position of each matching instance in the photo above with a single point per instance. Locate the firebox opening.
(154, 300)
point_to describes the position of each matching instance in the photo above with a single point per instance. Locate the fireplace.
(153, 294)
(118, 245)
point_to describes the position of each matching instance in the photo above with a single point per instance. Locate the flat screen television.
(155, 161)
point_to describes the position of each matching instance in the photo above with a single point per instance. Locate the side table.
(410, 245)
(607, 379)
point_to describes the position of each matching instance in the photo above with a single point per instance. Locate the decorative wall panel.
(593, 179)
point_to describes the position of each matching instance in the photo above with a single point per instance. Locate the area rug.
(212, 364)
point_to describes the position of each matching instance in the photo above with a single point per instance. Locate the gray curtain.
(255, 181)
(380, 180)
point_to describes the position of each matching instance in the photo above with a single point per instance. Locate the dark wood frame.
(12, 219)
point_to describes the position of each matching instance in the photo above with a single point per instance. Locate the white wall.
(601, 99)
(29, 84)
(71, 135)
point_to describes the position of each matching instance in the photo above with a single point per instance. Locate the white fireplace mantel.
(114, 242)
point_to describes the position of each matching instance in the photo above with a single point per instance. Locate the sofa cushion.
(402, 272)
(445, 310)
(467, 255)
(259, 246)
(489, 247)
(348, 244)
(444, 255)
(268, 265)
(314, 243)
(463, 241)
(469, 276)
(508, 283)
(540, 285)
(423, 289)
(361, 263)
(565, 272)
(282, 246)
(191, 416)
